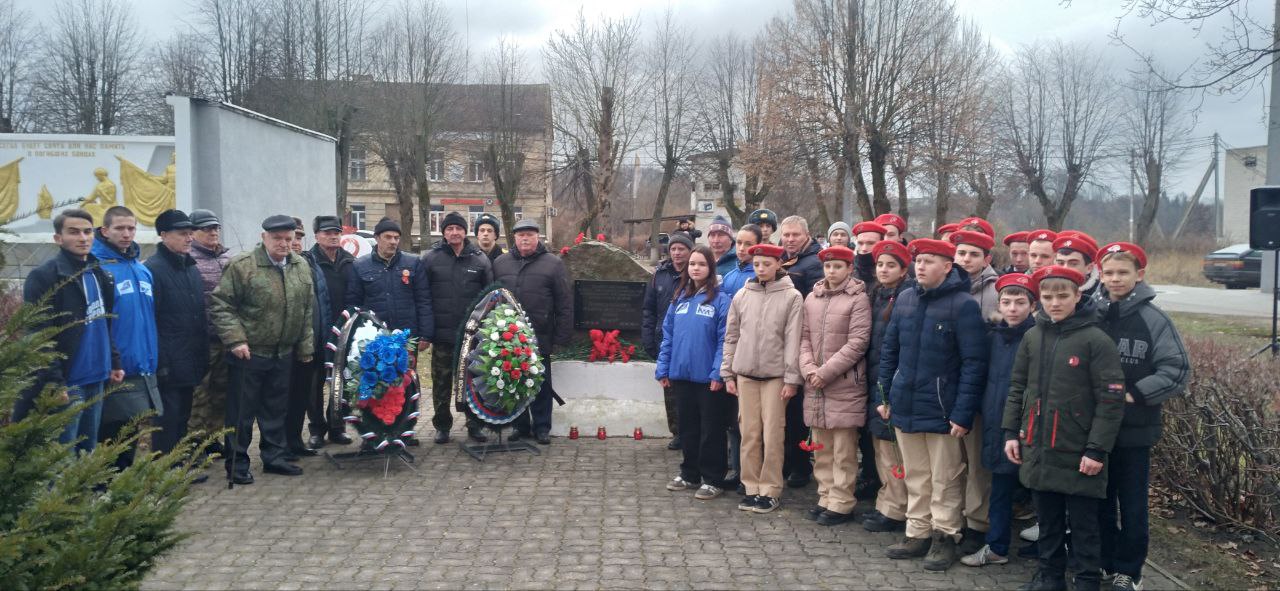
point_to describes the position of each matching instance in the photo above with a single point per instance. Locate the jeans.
(703, 439)
(85, 425)
(1056, 510)
(1000, 513)
(173, 423)
(1124, 545)
(539, 413)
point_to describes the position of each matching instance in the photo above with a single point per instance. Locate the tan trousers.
(835, 467)
(891, 501)
(934, 465)
(977, 484)
(762, 419)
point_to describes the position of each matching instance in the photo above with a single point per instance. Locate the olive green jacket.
(257, 304)
(1066, 400)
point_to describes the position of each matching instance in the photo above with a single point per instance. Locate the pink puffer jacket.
(833, 345)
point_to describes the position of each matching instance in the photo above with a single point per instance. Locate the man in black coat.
(802, 264)
(334, 265)
(657, 297)
(540, 282)
(82, 292)
(458, 272)
(181, 324)
(488, 228)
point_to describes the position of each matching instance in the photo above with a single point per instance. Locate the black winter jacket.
(335, 279)
(182, 323)
(657, 296)
(882, 301)
(805, 269)
(455, 281)
(322, 309)
(66, 307)
(1152, 356)
(540, 283)
(396, 290)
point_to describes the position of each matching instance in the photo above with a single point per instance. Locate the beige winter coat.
(762, 335)
(837, 330)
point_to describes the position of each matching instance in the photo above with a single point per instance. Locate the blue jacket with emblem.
(693, 338)
(732, 279)
(133, 331)
(934, 360)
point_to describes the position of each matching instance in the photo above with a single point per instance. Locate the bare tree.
(507, 141)
(236, 32)
(1241, 55)
(17, 35)
(89, 79)
(1057, 114)
(673, 69)
(415, 56)
(955, 97)
(1156, 122)
(177, 65)
(598, 89)
(741, 124)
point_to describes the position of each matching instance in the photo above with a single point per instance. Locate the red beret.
(981, 223)
(921, 246)
(1081, 244)
(769, 250)
(1017, 237)
(970, 237)
(1058, 272)
(892, 248)
(870, 227)
(892, 219)
(944, 228)
(1038, 235)
(836, 253)
(1018, 280)
(1128, 247)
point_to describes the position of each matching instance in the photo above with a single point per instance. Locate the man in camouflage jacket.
(261, 310)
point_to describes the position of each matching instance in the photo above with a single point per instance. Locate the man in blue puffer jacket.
(134, 330)
(934, 367)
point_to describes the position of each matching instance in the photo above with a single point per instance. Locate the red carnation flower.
(506, 336)
(523, 339)
(515, 374)
(564, 251)
(512, 327)
(506, 365)
(600, 237)
(506, 352)
(581, 236)
(524, 366)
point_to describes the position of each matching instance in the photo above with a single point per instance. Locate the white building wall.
(1243, 169)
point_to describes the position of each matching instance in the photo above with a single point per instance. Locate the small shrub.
(1221, 445)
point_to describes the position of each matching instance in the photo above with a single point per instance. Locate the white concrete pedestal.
(617, 396)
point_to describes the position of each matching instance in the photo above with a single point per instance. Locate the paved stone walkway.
(584, 514)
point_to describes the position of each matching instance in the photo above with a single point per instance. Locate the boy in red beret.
(1156, 369)
(977, 224)
(945, 230)
(866, 235)
(1060, 422)
(1018, 245)
(1040, 249)
(1017, 302)
(973, 254)
(933, 367)
(894, 225)
(1078, 251)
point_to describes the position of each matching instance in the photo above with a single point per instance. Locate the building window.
(435, 166)
(437, 216)
(356, 170)
(357, 216)
(1250, 161)
(476, 172)
(710, 186)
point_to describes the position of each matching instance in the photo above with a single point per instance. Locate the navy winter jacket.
(934, 360)
(693, 338)
(396, 290)
(1005, 340)
(182, 322)
(657, 296)
(805, 269)
(882, 304)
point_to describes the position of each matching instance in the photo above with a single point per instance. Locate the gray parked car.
(1236, 266)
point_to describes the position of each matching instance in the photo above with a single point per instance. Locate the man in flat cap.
(209, 403)
(540, 282)
(262, 312)
(181, 323)
(334, 264)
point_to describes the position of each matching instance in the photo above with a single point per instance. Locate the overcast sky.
(1240, 119)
